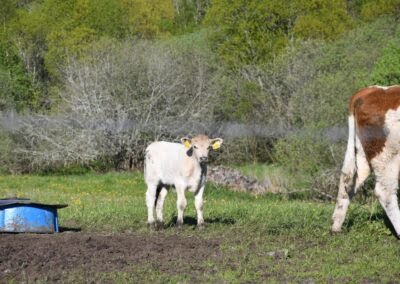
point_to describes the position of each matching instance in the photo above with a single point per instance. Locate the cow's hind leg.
(350, 180)
(150, 202)
(386, 191)
(159, 207)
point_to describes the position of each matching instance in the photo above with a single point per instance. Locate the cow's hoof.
(159, 225)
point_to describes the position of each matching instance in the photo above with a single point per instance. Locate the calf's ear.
(187, 142)
(216, 143)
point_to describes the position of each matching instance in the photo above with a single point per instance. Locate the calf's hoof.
(151, 226)
(159, 225)
(179, 225)
(334, 231)
(200, 227)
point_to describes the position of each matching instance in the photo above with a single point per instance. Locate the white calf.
(183, 166)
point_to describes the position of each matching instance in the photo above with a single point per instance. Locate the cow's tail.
(347, 178)
(349, 168)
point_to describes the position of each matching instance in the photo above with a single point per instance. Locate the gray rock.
(232, 178)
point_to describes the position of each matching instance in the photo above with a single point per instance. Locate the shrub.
(6, 158)
(386, 70)
(117, 100)
(308, 151)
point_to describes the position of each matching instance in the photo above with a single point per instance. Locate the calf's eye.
(195, 146)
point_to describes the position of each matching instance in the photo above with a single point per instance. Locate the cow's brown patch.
(369, 107)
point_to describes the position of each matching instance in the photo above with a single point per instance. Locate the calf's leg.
(150, 202)
(198, 203)
(181, 205)
(159, 207)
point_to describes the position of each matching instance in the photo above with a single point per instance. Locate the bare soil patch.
(32, 257)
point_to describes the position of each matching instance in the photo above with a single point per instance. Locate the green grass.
(250, 229)
(261, 170)
(279, 177)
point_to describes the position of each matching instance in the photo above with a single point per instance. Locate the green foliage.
(386, 71)
(321, 19)
(306, 89)
(239, 36)
(373, 9)
(62, 45)
(237, 99)
(308, 151)
(346, 66)
(188, 15)
(17, 89)
(241, 39)
(7, 10)
(338, 69)
(105, 17)
(355, 7)
(51, 30)
(6, 146)
(149, 19)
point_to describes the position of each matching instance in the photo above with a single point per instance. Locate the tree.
(51, 30)
(253, 32)
(63, 44)
(321, 19)
(371, 10)
(189, 14)
(7, 10)
(16, 88)
(149, 19)
(386, 71)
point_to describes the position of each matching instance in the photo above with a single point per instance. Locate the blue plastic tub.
(19, 215)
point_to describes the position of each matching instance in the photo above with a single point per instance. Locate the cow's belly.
(390, 150)
(379, 132)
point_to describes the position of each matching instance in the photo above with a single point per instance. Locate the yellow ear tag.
(187, 144)
(216, 145)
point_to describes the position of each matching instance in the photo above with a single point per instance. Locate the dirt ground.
(51, 257)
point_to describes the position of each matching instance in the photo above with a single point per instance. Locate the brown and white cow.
(373, 143)
(183, 166)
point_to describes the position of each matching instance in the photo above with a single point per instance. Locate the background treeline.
(87, 84)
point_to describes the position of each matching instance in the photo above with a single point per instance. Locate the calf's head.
(200, 146)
